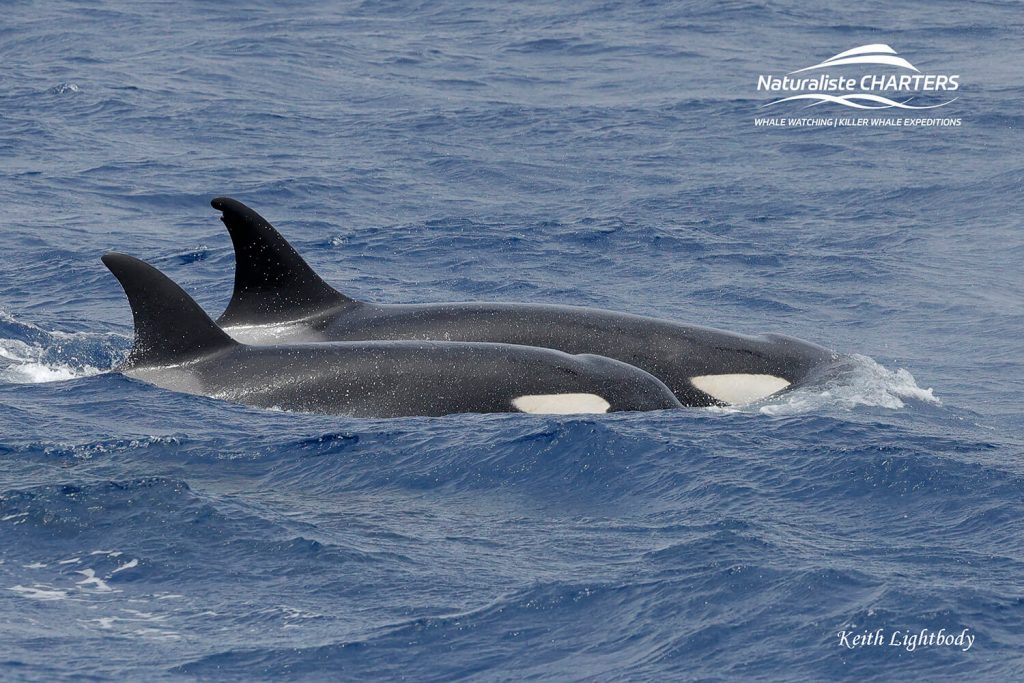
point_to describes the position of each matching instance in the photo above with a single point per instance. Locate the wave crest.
(857, 381)
(30, 354)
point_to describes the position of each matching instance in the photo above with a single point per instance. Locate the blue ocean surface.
(580, 153)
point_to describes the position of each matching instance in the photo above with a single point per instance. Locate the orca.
(178, 347)
(278, 297)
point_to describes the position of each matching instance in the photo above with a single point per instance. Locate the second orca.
(178, 347)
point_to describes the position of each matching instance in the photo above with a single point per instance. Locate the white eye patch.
(561, 404)
(739, 388)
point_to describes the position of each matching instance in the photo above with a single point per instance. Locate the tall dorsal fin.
(272, 282)
(170, 327)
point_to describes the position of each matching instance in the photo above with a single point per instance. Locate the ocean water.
(584, 153)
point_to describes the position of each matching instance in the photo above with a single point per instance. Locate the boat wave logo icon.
(877, 53)
(880, 89)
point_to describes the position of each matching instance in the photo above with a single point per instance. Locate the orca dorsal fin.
(273, 284)
(170, 327)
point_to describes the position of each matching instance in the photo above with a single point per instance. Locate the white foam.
(156, 633)
(861, 382)
(40, 592)
(104, 623)
(51, 356)
(92, 580)
(26, 366)
(135, 624)
(145, 616)
(127, 565)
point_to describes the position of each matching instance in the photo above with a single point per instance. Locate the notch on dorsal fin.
(170, 327)
(273, 284)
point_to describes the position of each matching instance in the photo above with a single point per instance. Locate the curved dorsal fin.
(170, 327)
(272, 282)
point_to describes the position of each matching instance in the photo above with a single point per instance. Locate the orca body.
(178, 347)
(278, 297)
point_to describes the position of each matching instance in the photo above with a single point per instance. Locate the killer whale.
(277, 296)
(178, 347)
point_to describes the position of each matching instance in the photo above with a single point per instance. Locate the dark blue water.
(584, 153)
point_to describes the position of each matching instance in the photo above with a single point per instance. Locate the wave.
(612, 628)
(31, 355)
(855, 381)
